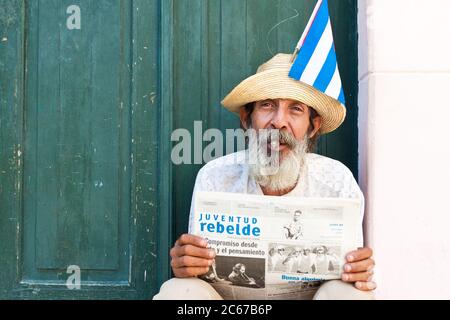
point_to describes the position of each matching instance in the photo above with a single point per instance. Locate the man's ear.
(317, 123)
(243, 114)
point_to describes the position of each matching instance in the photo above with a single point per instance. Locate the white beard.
(267, 171)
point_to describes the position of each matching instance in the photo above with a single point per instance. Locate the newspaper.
(275, 247)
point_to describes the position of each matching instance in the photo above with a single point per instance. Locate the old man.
(272, 100)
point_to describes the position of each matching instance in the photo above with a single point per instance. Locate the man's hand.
(359, 269)
(190, 257)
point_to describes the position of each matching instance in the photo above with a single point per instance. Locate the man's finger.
(360, 254)
(192, 240)
(190, 250)
(190, 272)
(354, 277)
(365, 286)
(188, 261)
(360, 266)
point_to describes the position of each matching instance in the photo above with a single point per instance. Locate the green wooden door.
(90, 91)
(80, 158)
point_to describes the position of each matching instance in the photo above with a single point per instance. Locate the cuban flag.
(316, 63)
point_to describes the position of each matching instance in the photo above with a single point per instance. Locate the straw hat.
(272, 81)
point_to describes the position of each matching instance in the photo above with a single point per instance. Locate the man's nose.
(279, 120)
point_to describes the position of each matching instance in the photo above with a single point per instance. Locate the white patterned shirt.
(320, 177)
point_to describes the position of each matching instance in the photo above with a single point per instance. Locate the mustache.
(284, 137)
(288, 139)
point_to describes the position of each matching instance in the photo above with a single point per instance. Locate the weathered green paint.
(80, 157)
(11, 101)
(217, 44)
(74, 154)
(85, 123)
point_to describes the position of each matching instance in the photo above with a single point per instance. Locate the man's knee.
(339, 290)
(187, 289)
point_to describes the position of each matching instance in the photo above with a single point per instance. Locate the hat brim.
(276, 84)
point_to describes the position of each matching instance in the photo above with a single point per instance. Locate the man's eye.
(297, 108)
(266, 105)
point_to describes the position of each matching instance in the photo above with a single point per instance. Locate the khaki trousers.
(196, 289)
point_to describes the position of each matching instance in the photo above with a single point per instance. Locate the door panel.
(76, 184)
(86, 161)
(77, 177)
